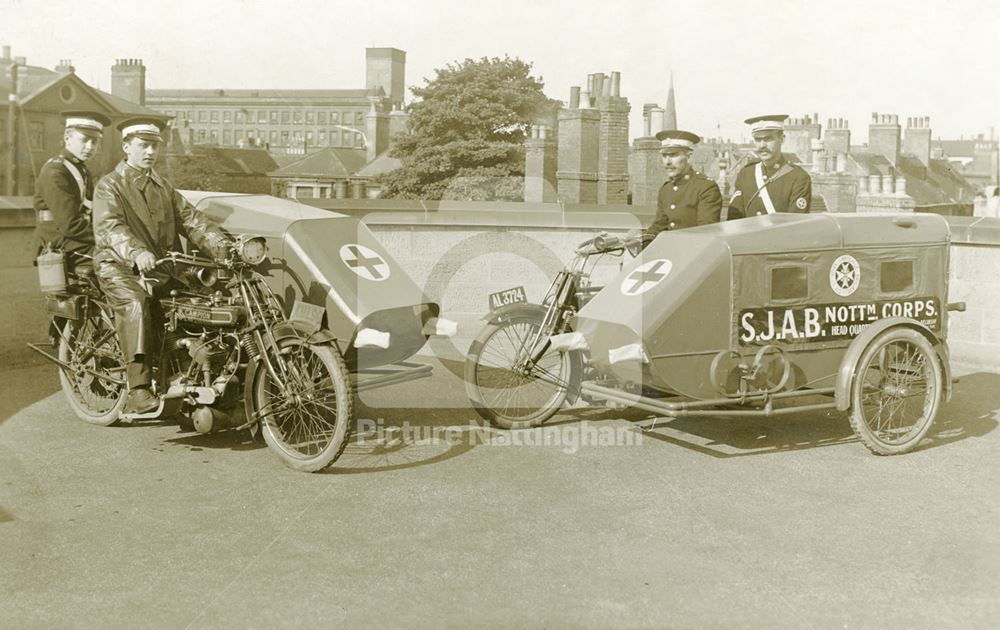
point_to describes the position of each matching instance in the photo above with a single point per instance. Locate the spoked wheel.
(505, 386)
(94, 384)
(897, 391)
(307, 418)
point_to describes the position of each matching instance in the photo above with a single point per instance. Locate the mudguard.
(849, 363)
(527, 309)
(280, 331)
(517, 309)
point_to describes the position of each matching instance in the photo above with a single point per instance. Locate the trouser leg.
(131, 306)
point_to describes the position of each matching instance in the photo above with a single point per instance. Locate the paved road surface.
(784, 523)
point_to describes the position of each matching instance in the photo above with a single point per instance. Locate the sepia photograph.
(579, 314)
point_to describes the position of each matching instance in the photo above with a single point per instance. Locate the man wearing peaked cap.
(770, 183)
(138, 218)
(64, 189)
(688, 198)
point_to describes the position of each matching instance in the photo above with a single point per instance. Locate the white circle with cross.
(845, 275)
(646, 276)
(365, 262)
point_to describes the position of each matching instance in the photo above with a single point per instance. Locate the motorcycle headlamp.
(251, 249)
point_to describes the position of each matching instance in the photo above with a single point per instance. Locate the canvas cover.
(806, 283)
(331, 260)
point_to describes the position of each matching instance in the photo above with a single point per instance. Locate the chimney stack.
(65, 67)
(128, 80)
(799, 134)
(883, 136)
(837, 138)
(918, 138)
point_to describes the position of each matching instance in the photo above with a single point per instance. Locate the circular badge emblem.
(365, 262)
(800, 203)
(845, 275)
(646, 276)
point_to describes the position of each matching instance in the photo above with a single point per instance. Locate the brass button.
(675, 188)
(672, 224)
(673, 206)
(758, 214)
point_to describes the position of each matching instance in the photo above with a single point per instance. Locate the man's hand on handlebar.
(145, 261)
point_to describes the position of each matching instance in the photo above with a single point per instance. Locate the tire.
(897, 391)
(311, 433)
(515, 398)
(92, 343)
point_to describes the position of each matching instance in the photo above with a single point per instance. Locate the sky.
(729, 59)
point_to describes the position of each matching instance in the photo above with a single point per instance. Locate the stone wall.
(460, 256)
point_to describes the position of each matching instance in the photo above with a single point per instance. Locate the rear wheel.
(897, 391)
(505, 386)
(306, 420)
(94, 383)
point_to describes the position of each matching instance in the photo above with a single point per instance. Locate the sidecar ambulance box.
(807, 284)
(331, 260)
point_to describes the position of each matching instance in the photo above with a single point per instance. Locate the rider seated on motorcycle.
(138, 218)
(64, 190)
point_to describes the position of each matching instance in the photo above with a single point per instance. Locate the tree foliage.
(467, 131)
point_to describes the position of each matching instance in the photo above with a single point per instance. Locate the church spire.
(670, 115)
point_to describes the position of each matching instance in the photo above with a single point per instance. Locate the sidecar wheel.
(92, 344)
(500, 390)
(897, 392)
(307, 422)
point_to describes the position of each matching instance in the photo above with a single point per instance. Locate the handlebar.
(605, 243)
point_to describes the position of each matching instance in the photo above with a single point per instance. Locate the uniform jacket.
(62, 211)
(788, 186)
(136, 211)
(688, 200)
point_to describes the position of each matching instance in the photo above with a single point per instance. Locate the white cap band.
(766, 125)
(145, 128)
(86, 123)
(674, 143)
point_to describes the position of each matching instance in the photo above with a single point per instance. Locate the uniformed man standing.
(688, 198)
(769, 184)
(137, 218)
(64, 189)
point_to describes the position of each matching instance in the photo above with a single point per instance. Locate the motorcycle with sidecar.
(305, 310)
(758, 317)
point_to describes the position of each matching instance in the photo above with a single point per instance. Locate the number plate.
(509, 296)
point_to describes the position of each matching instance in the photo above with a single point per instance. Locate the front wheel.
(94, 382)
(306, 418)
(897, 391)
(505, 386)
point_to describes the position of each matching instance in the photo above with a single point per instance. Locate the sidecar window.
(789, 283)
(896, 276)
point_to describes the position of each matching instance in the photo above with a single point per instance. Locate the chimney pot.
(574, 97)
(585, 99)
(888, 182)
(616, 83)
(875, 184)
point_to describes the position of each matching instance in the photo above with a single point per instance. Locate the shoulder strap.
(765, 197)
(78, 176)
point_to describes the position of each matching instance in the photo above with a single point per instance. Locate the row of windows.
(273, 116)
(281, 138)
(792, 283)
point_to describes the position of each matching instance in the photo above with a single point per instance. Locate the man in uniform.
(688, 198)
(64, 190)
(137, 216)
(769, 184)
